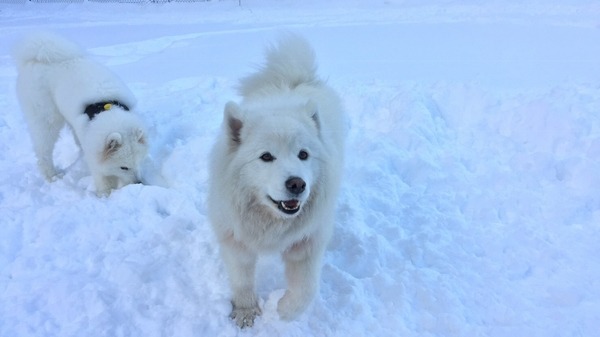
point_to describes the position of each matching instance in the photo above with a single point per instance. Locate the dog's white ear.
(313, 111)
(112, 143)
(234, 122)
(140, 136)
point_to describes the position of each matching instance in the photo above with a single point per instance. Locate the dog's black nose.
(295, 185)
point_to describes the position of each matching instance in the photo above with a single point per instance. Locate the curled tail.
(45, 48)
(289, 63)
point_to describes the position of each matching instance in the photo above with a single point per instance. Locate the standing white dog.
(274, 177)
(57, 82)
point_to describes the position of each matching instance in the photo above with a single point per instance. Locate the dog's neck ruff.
(95, 108)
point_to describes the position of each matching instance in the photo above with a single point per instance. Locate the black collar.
(95, 108)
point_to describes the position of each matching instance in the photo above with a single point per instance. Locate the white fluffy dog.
(274, 177)
(58, 83)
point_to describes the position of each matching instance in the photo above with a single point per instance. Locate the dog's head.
(277, 152)
(122, 155)
(119, 144)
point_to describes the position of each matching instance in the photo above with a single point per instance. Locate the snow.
(471, 196)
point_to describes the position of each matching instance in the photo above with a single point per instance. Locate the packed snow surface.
(470, 203)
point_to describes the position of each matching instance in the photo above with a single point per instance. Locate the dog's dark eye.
(267, 157)
(124, 168)
(303, 155)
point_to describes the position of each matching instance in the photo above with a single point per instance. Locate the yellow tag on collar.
(107, 106)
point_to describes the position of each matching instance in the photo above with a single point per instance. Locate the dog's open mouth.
(289, 207)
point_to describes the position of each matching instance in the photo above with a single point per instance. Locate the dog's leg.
(45, 124)
(241, 264)
(302, 270)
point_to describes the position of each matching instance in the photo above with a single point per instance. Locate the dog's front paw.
(291, 305)
(244, 317)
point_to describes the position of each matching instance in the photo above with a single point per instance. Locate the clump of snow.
(470, 204)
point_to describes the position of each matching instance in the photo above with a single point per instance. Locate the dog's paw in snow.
(243, 316)
(290, 306)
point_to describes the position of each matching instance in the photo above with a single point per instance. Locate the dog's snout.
(295, 185)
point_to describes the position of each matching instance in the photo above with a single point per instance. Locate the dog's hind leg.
(42, 116)
(45, 123)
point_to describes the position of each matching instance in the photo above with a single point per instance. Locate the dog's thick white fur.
(274, 177)
(56, 82)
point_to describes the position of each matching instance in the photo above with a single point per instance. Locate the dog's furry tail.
(45, 48)
(290, 63)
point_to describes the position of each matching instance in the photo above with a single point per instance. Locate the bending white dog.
(274, 177)
(57, 83)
